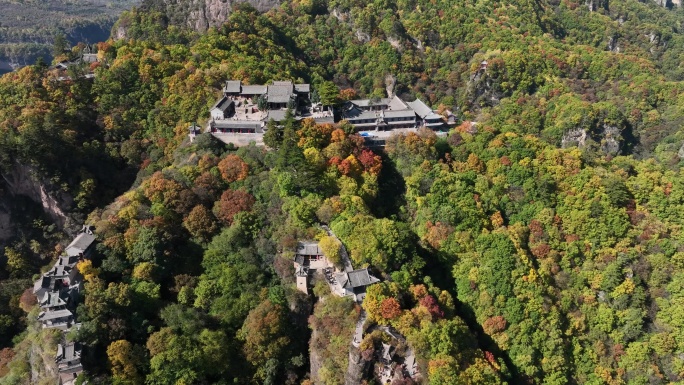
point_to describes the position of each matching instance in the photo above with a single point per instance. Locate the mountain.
(28, 28)
(202, 14)
(539, 240)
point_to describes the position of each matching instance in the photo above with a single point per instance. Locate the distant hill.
(28, 27)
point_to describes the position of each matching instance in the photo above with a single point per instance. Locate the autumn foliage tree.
(265, 336)
(233, 168)
(27, 301)
(332, 248)
(200, 222)
(124, 361)
(390, 308)
(494, 324)
(370, 161)
(231, 203)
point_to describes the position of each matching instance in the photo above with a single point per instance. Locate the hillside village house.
(57, 292)
(381, 114)
(354, 282)
(309, 257)
(245, 109)
(68, 362)
(390, 114)
(60, 278)
(57, 319)
(222, 109)
(81, 245)
(427, 117)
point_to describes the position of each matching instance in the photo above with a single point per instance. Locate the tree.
(265, 335)
(200, 222)
(348, 94)
(262, 103)
(390, 308)
(330, 94)
(233, 168)
(315, 97)
(87, 270)
(59, 45)
(18, 263)
(231, 203)
(147, 246)
(332, 248)
(273, 136)
(124, 360)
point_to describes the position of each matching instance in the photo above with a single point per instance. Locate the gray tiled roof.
(356, 278)
(302, 271)
(51, 299)
(421, 108)
(232, 86)
(67, 260)
(277, 115)
(433, 116)
(369, 102)
(355, 113)
(50, 315)
(223, 104)
(409, 114)
(81, 243)
(302, 88)
(68, 352)
(308, 248)
(250, 124)
(41, 283)
(58, 271)
(253, 89)
(90, 57)
(396, 104)
(280, 92)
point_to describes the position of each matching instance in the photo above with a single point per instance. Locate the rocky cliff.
(357, 369)
(23, 181)
(669, 3)
(202, 14)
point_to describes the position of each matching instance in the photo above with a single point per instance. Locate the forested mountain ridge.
(28, 28)
(551, 50)
(504, 257)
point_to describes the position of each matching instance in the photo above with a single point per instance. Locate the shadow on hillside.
(391, 189)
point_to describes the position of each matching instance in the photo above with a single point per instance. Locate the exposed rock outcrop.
(23, 180)
(614, 44)
(594, 5)
(202, 14)
(611, 138)
(669, 3)
(357, 367)
(680, 153)
(576, 137)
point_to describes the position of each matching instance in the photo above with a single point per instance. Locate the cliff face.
(669, 3)
(356, 371)
(202, 14)
(22, 180)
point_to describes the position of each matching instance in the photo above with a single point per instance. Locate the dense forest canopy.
(539, 242)
(29, 29)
